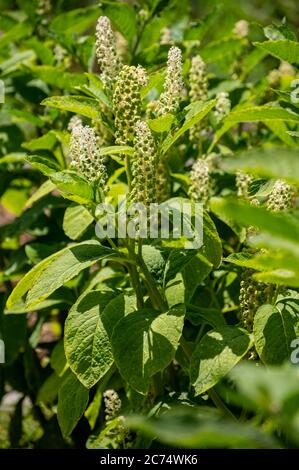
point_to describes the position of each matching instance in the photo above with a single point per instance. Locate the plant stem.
(128, 172)
(220, 404)
(135, 276)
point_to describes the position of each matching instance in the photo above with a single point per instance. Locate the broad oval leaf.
(216, 354)
(273, 162)
(72, 402)
(87, 331)
(197, 112)
(75, 104)
(56, 270)
(73, 186)
(76, 220)
(282, 49)
(154, 338)
(274, 331)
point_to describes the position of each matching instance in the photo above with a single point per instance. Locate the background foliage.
(79, 371)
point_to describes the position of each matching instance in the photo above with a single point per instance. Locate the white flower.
(106, 52)
(241, 29)
(173, 87)
(85, 154)
(223, 106)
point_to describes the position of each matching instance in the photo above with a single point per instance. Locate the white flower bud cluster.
(198, 79)
(284, 70)
(144, 165)
(61, 55)
(200, 186)
(166, 36)
(223, 106)
(241, 29)
(198, 91)
(74, 122)
(243, 182)
(282, 197)
(112, 404)
(173, 87)
(85, 155)
(127, 102)
(43, 7)
(106, 52)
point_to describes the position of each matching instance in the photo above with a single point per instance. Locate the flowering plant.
(174, 317)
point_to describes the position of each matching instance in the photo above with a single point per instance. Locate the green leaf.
(49, 390)
(279, 128)
(196, 113)
(15, 157)
(161, 124)
(16, 33)
(45, 165)
(87, 333)
(155, 261)
(247, 113)
(75, 21)
(116, 150)
(217, 209)
(53, 272)
(175, 292)
(274, 331)
(196, 427)
(216, 354)
(212, 246)
(96, 88)
(123, 17)
(176, 261)
(283, 229)
(283, 49)
(250, 60)
(58, 360)
(194, 274)
(273, 162)
(93, 410)
(46, 142)
(57, 78)
(75, 104)
(207, 316)
(46, 188)
(76, 220)
(13, 331)
(153, 337)
(226, 48)
(73, 186)
(43, 52)
(26, 116)
(72, 402)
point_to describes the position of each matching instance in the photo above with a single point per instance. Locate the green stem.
(219, 403)
(128, 172)
(135, 276)
(157, 384)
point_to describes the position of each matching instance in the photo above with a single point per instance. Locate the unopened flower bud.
(144, 166)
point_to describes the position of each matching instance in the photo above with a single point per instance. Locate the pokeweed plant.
(128, 341)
